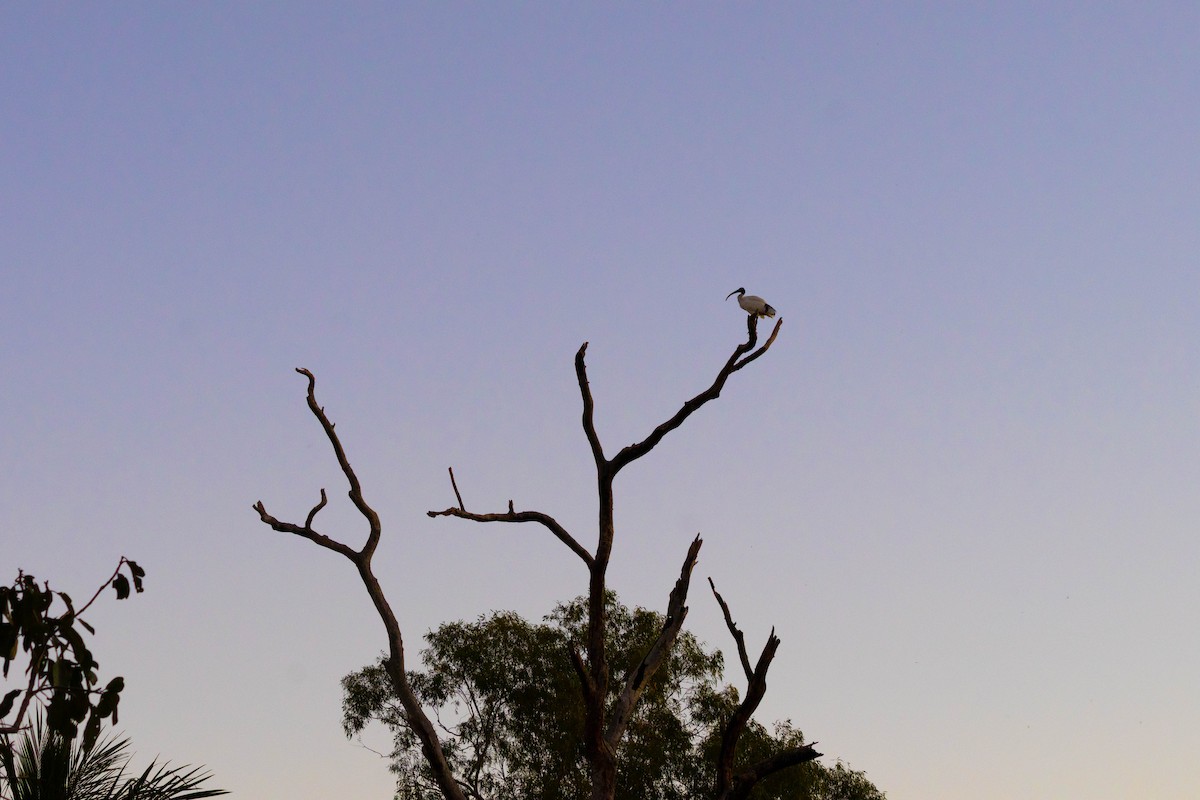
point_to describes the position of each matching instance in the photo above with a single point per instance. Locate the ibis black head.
(738, 291)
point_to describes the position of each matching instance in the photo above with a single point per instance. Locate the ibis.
(752, 304)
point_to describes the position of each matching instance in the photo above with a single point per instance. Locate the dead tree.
(604, 728)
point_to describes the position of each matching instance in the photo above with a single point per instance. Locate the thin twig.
(103, 586)
(311, 514)
(461, 507)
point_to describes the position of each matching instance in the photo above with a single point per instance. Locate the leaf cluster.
(61, 673)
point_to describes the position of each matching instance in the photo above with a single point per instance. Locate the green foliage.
(508, 702)
(61, 673)
(42, 764)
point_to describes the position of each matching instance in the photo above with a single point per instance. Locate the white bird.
(752, 304)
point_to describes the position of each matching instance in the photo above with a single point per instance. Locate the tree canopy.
(507, 702)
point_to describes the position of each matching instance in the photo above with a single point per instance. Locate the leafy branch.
(61, 673)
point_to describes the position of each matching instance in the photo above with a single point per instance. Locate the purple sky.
(962, 485)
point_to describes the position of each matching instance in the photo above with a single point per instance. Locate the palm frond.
(44, 765)
(161, 782)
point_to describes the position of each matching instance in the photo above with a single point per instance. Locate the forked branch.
(733, 785)
(307, 531)
(417, 719)
(547, 521)
(635, 451)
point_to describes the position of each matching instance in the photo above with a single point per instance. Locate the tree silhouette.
(605, 723)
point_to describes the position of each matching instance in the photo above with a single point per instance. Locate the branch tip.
(311, 514)
(453, 483)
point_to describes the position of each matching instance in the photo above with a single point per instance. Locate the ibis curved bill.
(752, 304)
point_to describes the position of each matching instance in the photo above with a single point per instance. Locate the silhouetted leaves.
(6, 704)
(9, 639)
(137, 573)
(61, 673)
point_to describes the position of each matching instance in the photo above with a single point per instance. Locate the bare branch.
(585, 677)
(470, 790)
(413, 712)
(306, 532)
(637, 680)
(733, 364)
(737, 787)
(313, 513)
(356, 495)
(761, 350)
(589, 407)
(456, 494)
(546, 520)
(744, 781)
(737, 634)
(122, 562)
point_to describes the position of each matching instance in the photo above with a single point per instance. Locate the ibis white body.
(752, 304)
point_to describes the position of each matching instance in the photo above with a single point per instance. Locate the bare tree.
(603, 727)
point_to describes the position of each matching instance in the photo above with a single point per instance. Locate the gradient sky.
(962, 485)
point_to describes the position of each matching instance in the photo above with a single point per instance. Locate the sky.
(961, 485)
